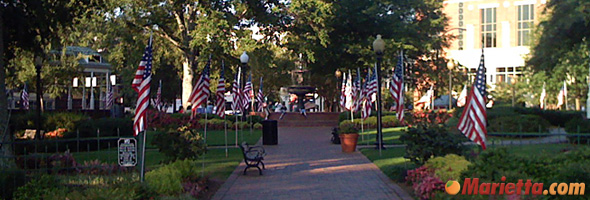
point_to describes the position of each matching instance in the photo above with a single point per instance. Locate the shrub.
(10, 180)
(67, 120)
(215, 124)
(258, 126)
(522, 123)
(423, 142)
(555, 117)
(448, 167)
(399, 172)
(107, 126)
(184, 143)
(578, 125)
(241, 125)
(492, 164)
(346, 127)
(168, 179)
(428, 187)
(38, 188)
(390, 121)
(428, 117)
(424, 183)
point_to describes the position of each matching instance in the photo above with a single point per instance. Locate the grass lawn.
(391, 161)
(217, 137)
(390, 136)
(216, 164)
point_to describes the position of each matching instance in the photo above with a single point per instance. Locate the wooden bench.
(253, 156)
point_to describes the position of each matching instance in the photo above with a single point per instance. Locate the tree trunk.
(578, 103)
(187, 81)
(5, 150)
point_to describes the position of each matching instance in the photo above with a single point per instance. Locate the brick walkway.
(305, 165)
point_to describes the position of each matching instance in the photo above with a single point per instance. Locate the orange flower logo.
(452, 187)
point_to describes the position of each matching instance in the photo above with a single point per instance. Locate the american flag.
(24, 97)
(110, 96)
(201, 91)
(365, 99)
(247, 94)
(141, 84)
(462, 97)
(158, 100)
(396, 88)
(220, 93)
(348, 92)
(356, 88)
(260, 97)
(343, 91)
(473, 119)
(372, 85)
(237, 99)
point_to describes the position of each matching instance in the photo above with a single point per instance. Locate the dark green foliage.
(38, 188)
(492, 164)
(578, 130)
(167, 180)
(215, 124)
(183, 143)
(400, 172)
(518, 123)
(65, 120)
(424, 142)
(555, 117)
(10, 180)
(107, 126)
(578, 125)
(347, 127)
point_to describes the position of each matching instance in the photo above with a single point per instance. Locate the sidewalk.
(305, 165)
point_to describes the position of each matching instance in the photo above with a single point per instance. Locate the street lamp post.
(338, 74)
(244, 58)
(38, 65)
(450, 66)
(379, 47)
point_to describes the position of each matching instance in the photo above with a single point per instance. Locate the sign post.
(127, 152)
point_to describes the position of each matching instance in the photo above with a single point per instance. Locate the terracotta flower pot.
(348, 142)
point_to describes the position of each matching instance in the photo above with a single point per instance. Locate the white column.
(84, 93)
(505, 34)
(470, 37)
(91, 90)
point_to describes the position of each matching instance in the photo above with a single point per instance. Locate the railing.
(64, 156)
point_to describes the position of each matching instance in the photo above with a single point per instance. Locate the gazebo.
(95, 80)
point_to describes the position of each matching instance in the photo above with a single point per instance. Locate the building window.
(488, 27)
(526, 17)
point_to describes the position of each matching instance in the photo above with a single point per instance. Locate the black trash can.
(270, 132)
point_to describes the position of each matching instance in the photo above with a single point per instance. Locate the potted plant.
(349, 135)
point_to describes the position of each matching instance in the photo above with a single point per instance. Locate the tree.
(561, 48)
(338, 35)
(29, 26)
(195, 29)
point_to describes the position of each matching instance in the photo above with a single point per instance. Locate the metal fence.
(63, 156)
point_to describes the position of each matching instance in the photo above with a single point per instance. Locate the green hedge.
(518, 123)
(492, 164)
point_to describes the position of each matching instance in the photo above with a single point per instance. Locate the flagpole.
(362, 124)
(203, 158)
(142, 173)
(225, 132)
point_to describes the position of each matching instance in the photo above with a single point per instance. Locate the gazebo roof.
(97, 64)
